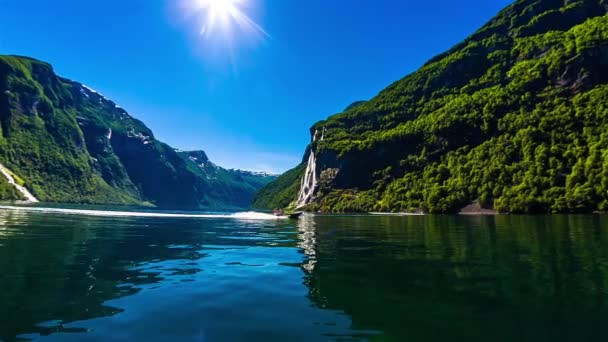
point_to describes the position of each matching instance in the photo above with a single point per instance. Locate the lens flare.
(222, 16)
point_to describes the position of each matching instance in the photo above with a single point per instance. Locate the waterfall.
(309, 181)
(11, 180)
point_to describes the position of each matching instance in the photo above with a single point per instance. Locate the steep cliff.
(68, 143)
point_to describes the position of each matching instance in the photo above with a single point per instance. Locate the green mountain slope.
(234, 187)
(281, 192)
(8, 191)
(69, 143)
(514, 116)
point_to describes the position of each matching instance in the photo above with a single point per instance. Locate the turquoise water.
(429, 278)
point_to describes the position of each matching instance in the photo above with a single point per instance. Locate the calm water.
(506, 278)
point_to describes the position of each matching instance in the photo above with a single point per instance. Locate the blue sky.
(249, 106)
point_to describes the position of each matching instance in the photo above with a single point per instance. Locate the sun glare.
(222, 16)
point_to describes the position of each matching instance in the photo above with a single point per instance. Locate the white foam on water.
(253, 215)
(397, 214)
(250, 215)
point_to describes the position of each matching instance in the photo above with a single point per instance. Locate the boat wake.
(397, 214)
(249, 215)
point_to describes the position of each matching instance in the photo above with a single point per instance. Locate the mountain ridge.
(69, 143)
(512, 116)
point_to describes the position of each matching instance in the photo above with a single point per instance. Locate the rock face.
(68, 143)
(514, 116)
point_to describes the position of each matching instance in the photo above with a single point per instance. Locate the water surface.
(429, 278)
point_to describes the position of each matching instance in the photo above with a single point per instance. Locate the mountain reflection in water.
(505, 278)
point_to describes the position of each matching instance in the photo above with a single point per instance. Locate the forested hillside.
(234, 187)
(68, 143)
(515, 116)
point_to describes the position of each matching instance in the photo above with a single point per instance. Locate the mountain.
(67, 143)
(514, 117)
(281, 192)
(236, 187)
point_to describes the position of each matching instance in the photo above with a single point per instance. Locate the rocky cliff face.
(68, 143)
(514, 116)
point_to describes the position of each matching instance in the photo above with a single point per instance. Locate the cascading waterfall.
(9, 177)
(309, 181)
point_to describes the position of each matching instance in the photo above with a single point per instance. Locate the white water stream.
(28, 195)
(310, 180)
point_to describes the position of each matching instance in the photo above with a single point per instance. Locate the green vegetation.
(8, 191)
(515, 116)
(16, 178)
(282, 191)
(41, 141)
(68, 143)
(231, 188)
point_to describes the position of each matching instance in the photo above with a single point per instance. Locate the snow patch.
(90, 89)
(144, 138)
(86, 89)
(254, 173)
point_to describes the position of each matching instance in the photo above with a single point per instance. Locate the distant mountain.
(515, 116)
(236, 187)
(281, 192)
(67, 143)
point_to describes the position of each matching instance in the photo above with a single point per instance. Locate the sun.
(223, 16)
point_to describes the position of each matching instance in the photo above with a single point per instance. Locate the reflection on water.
(505, 278)
(307, 241)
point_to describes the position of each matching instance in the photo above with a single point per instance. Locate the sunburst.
(219, 17)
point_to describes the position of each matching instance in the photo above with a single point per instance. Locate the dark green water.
(506, 278)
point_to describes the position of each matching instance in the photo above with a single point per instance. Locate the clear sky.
(249, 103)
